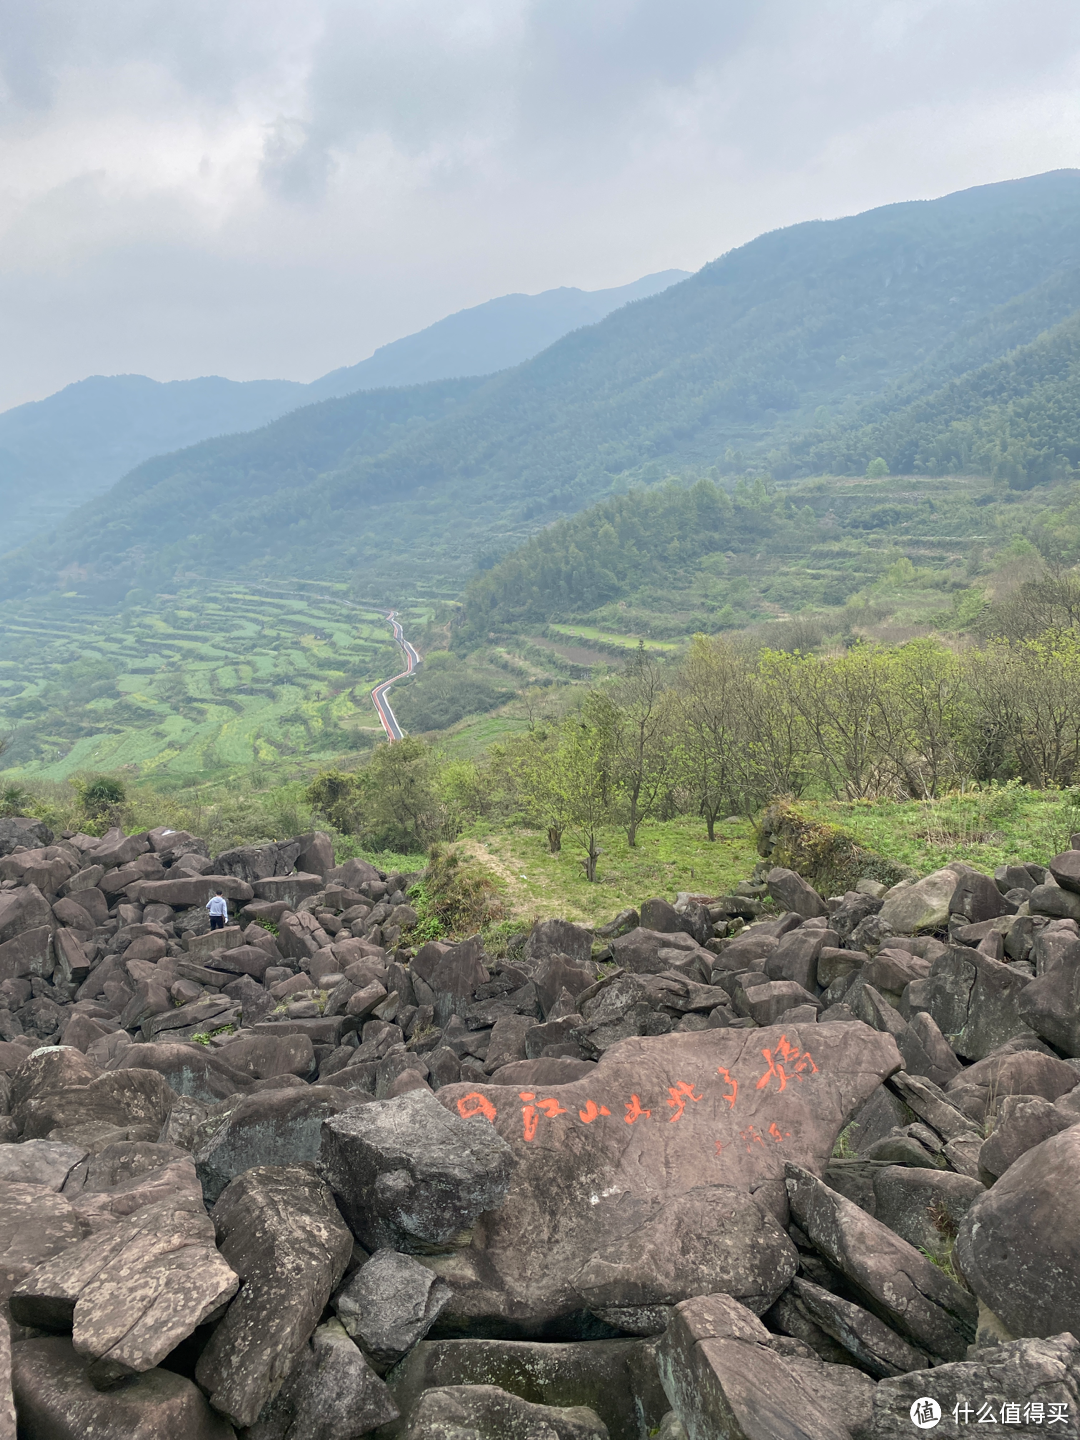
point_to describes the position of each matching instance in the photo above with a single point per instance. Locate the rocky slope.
(766, 1165)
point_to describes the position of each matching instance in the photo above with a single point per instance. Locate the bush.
(455, 896)
(99, 798)
(825, 855)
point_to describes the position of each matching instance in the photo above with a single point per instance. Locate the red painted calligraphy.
(634, 1110)
(680, 1093)
(530, 1114)
(774, 1131)
(786, 1062)
(729, 1080)
(592, 1111)
(751, 1136)
(476, 1104)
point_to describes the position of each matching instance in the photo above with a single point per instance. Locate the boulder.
(23, 830)
(1065, 868)
(35, 1225)
(124, 1098)
(1050, 1004)
(458, 973)
(922, 905)
(615, 1378)
(980, 1089)
(331, 1394)
(977, 898)
(1019, 1244)
(23, 909)
(132, 1293)
(726, 1375)
(484, 1412)
(998, 1383)
(901, 1286)
(316, 853)
(290, 888)
(650, 952)
(410, 1173)
(879, 1350)
(191, 892)
(56, 1398)
(924, 1207)
(389, 1305)
(258, 862)
(39, 1162)
(273, 1127)
(559, 937)
(279, 1229)
(117, 849)
(975, 1001)
(792, 892)
(262, 1056)
(187, 1068)
(680, 1136)
(1023, 1122)
(127, 1175)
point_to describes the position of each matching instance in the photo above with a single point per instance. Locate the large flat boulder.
(191, 892)
(659, 1175)
(279, 1229)
(35, 1225)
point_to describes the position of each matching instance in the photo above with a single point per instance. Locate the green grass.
(984, 827)
(670, 856)
(607, 637)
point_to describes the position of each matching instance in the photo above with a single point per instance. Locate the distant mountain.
(489, 337)
(802, 327)
(59, 452)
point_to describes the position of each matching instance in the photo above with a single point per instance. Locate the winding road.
(378, 694)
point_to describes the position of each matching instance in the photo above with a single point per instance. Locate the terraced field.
(212, 679)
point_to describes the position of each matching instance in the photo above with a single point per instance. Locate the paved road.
(378, 695)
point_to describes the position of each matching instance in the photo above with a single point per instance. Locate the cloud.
(253, 187)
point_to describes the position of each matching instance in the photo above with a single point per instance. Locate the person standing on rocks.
(218, 907)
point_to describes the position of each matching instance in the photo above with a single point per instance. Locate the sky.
(269, 188)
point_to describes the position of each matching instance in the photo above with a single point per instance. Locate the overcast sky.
(273, 188)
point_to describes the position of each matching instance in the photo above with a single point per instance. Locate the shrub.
(825, 855)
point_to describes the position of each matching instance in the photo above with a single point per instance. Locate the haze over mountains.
(58, 452)
(797, 340)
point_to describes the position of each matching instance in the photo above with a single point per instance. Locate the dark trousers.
(217, 922)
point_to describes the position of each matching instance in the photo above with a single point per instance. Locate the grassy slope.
(984, 828)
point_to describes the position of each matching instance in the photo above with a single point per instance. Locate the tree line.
(730, 727)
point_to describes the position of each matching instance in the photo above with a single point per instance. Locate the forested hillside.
(799, 328)
(1016, 419)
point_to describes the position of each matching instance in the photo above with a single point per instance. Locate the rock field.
(765, 1166)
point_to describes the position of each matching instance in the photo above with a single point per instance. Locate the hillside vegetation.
(798, 326)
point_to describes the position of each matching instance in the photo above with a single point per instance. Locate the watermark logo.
(925, 1413)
